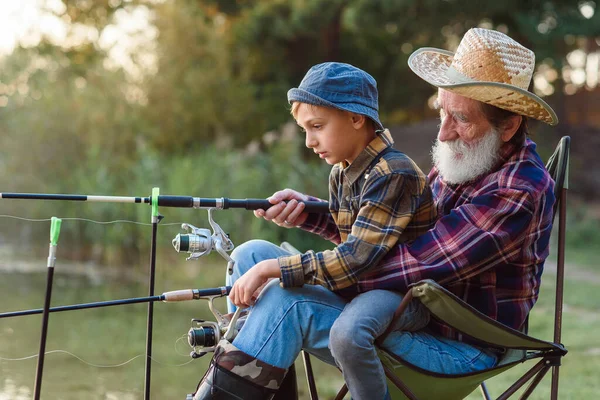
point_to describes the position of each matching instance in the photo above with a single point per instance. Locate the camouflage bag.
(234, 374)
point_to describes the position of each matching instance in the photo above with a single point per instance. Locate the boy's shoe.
(234, 374)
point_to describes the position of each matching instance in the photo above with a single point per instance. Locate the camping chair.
(409, 381)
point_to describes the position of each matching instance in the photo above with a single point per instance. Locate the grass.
(581, 321)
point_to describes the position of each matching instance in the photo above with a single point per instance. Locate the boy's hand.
(288, 210)
(247, 288)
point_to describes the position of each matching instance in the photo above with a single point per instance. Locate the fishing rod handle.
(320, 207)
(195, 294)
(225, 203)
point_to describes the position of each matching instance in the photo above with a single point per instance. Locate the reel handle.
(195, 294)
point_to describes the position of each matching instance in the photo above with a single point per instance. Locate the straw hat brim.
(434, 66)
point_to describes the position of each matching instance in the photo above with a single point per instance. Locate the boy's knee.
(248, 249)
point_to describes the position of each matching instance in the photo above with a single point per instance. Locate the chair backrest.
(558, 167)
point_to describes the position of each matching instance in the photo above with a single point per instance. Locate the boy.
(378, 198)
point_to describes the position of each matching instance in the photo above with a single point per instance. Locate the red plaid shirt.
(488, 246)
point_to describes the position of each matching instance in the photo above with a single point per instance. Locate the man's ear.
(510, 126)
(358, 120)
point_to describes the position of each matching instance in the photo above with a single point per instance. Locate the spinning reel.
(204, 336)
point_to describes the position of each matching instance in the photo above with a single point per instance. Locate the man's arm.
(492, 229)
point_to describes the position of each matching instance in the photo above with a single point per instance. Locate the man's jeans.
(286, 320)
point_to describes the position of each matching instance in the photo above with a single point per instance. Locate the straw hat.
(488, 66)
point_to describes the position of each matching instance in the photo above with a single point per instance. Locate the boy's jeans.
(285, 321)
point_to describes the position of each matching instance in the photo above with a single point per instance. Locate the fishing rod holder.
(199, 242)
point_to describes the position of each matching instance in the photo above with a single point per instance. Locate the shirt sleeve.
(387, 205)
(474, 237)
(324, 225)
(321, 224)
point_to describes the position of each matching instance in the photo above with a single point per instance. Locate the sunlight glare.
(25, 22)
(587, 9)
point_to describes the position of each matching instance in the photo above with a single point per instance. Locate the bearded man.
(494, 199)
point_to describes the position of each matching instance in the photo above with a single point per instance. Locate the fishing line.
(176, 343)
(87, 220)
(98, 365)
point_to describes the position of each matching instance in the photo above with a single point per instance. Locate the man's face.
(468, 145)
(460, 118)
(330, 133)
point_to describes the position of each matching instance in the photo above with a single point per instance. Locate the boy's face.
(332, 134)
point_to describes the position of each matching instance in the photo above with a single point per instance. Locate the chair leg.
(534, 383)
(523, 380)
(484, 391)
(310, 377)
(342, 392)
(554, 387)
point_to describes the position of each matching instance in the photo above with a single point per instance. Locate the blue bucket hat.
(341, 86)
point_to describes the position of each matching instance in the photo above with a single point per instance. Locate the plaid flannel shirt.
(372, 209)
(489, 244)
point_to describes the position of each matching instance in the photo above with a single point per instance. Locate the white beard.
(458, 162)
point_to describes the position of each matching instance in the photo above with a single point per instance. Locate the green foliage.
(225, 67)
(68, 124)
(207, 172)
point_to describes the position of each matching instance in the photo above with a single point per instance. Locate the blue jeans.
(286, 320)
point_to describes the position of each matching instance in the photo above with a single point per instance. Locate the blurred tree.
(225, 67)
(67, 125)
(222, 71)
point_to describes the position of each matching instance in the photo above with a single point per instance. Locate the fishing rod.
(167, 297)
(221, 203)
(198, 242)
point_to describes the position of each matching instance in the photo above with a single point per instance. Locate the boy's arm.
(325, 225)
(388, 203)
(322, 224)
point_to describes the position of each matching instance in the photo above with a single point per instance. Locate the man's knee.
(346, 340)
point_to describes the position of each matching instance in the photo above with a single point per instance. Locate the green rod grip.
(55, 230)
(155, 192)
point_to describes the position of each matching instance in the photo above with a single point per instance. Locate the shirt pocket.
(354, 204)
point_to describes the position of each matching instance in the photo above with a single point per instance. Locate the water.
(99, 339)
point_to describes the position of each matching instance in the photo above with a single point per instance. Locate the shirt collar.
(364, 159)
(507, 151)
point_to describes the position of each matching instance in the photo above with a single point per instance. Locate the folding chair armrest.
(448, 308)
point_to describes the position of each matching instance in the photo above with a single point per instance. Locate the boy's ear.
(358, 120)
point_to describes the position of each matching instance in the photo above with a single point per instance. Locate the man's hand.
(247, 288)
(288, 209)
